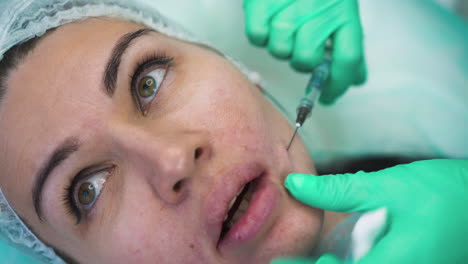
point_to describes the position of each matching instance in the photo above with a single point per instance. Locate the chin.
(295, 231)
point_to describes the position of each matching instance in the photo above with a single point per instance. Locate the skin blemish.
(192, 246)
(163, 207)
(136, 251)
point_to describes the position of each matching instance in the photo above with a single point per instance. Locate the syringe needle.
(302, 114)
(293, 136)
(312, 94)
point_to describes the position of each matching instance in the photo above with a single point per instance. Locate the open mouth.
(244, 212)
(237, 207)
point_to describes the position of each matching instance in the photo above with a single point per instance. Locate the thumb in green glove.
(325, 259)
(426, 203)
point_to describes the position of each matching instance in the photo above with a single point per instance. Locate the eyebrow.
(59, 155)
(112, 66)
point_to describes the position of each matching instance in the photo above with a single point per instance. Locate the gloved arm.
(299, 29)
(426, 202)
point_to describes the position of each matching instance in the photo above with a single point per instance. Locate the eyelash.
(148, 62)
(68, 201)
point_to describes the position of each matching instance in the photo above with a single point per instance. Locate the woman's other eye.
(148, 80)
(84, 191)
(148, 87)
(89, 190)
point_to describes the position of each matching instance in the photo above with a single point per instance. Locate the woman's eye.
(147, 87)
(87, 194)
(88, 191)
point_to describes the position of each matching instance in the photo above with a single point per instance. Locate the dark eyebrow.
(60, 154)
(112, 67)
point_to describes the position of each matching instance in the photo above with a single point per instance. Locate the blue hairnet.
(21, 20)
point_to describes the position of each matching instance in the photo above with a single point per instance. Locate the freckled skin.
(204, 103)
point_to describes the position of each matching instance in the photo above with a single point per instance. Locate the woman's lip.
(257, 217)
(217, 202)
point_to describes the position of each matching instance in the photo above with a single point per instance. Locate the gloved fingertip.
(305, 61)
(327, 100)
(291, 260)
(278, 261)
(280, 46)
(257, 33)
(295, 182)
(362, 76)
(282, 53)
(301, 66)
(257, 39)
(328, 259)
(334, 90)
(360, 81)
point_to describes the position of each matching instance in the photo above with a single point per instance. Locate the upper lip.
(226, 188)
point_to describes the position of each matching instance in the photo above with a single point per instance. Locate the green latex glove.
(299, 29)
(426, 202)
(325, 259)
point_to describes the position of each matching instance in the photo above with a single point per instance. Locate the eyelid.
(89, 172)
(148, 65)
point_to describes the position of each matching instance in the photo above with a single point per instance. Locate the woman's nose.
(178, 166)
(169, 162)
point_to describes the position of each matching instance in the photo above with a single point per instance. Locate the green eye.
(147, 87)
(86, 193)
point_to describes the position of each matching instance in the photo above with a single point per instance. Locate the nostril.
(177, 186)
(198, 152)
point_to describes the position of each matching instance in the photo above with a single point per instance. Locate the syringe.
(312, 94)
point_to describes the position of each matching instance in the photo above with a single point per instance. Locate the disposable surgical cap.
(22, 20)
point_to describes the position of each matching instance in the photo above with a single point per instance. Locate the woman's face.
(141, 142)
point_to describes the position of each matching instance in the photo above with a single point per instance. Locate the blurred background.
(459, 6)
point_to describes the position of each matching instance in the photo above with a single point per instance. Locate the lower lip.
(259, 211)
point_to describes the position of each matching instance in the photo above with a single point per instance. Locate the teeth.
(242, 208)
(232, 203)
(244, 204)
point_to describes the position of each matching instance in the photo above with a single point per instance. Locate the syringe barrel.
(313, 91)
(317, 82)
(319, 77)
(311, 97)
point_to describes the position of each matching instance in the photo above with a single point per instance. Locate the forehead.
(58, 84)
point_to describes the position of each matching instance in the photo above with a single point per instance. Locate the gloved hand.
(426, 202)
(298, 30)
